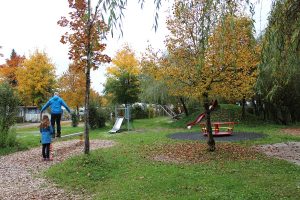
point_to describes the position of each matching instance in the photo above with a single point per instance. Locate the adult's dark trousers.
(55, 119)
(46, 150)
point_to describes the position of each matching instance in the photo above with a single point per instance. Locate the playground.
(153, 155)
(213, 112)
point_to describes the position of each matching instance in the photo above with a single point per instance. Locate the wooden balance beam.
(80, 134)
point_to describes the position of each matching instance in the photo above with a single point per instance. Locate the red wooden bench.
(219, 128)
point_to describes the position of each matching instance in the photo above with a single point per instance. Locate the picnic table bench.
(219, 128)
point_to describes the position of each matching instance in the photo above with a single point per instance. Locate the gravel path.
(19, 172)
(289, 151)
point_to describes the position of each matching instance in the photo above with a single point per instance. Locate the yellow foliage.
(226, 67)
(72, 86)
(124, 62)
(232, 59)
(36, 79)
(96, 97)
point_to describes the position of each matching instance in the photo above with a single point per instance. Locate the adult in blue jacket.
(55, 104)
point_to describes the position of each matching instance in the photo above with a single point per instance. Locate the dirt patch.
(289, 151)
(292, 131)
(195, 152)
(20, 172)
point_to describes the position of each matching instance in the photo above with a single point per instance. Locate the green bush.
(19, 119)
(96, 116)
(8, 109)
(75, 119)
(12, 138)
(151, 112)
(138, 112)
(250, 110)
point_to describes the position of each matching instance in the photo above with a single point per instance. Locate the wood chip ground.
(20, 172)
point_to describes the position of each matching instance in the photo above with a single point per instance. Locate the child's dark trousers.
(46, 150)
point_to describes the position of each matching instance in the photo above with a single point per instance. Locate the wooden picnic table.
(219, 128)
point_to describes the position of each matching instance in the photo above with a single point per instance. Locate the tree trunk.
(86, 114)
(243, 108)
(259, 105)
(254, 103)
(24, 115)
(184, 106)
(264, 109)
(211, 142)
(88, 82)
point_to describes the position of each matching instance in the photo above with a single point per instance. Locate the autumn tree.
(8, 70)
(191, 26)
(122, 78)
(157, 85)
(87, 29)
(72, 87)
(97, 98)
(232, 59)
(36, 79)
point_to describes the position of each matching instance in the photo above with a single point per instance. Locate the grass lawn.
(28, 137)
(126, 171)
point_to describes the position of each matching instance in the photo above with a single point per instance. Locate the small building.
(32, 114)
(29, 114)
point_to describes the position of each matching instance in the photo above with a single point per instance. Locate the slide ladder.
(169, 111)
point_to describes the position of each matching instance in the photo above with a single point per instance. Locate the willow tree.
(278, 81)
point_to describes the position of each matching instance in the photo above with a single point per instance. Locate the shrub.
(151, 112)
(75, 119)
(19, 119)
(138, 112)
(96, 116)
(8, 109)
(250, 110)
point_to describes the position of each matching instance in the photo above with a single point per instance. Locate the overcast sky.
(27, 25)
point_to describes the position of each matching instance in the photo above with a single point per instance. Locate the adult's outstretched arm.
(46, 106)
(65, 105)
